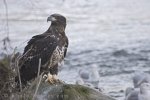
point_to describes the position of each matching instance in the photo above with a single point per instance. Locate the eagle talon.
(59, 81)
(55, 78)
(49, 78)
(45, 76)
(52, 79)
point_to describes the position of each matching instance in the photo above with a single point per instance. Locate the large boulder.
(46, 91)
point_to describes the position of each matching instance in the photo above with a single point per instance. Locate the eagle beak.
(51, 18)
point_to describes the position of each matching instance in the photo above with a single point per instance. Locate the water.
(114, 34)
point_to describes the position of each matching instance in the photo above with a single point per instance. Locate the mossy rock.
(59, 91)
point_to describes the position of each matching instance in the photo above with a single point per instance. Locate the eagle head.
(57, 18)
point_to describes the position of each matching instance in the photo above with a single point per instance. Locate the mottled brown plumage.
(51, 47)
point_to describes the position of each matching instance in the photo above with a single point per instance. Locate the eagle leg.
(56, 79)
(49, 78)
(52, 79)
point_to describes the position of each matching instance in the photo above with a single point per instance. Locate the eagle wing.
(33, 40)
(39, 46)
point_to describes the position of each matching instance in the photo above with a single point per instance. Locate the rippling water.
(113, 34)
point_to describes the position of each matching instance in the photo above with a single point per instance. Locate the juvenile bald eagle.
(50, 47)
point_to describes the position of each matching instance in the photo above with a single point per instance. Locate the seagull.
(131, 93)
(144, 93)
(139, 78)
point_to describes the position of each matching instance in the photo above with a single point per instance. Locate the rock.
(120, 53)
(60, 91)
